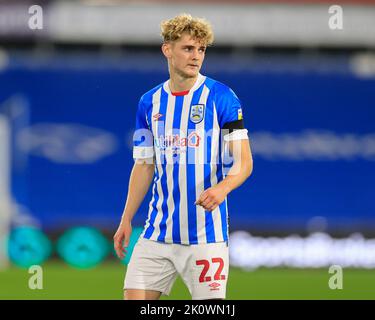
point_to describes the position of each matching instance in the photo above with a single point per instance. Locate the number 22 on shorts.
(206, 266)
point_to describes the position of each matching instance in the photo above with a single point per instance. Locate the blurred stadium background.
(68, 96)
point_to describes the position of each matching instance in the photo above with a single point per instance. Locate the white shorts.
(156, 265)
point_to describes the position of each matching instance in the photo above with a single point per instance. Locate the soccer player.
(183, 127)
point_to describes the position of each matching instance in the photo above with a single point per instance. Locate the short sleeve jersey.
(185, 134)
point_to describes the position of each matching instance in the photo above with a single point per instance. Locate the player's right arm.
(139, 183)
(140, 177)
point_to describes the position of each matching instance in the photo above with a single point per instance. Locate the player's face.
(186, 56)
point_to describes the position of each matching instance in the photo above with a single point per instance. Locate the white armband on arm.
(143, 152)
(239, 134)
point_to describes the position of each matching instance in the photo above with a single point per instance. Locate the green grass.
(105, 282)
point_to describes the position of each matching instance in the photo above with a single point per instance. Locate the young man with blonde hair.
(182, 128)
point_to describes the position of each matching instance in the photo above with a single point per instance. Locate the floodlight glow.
(82, 247)
(28, 246)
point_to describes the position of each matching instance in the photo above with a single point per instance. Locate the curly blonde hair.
(198, 28)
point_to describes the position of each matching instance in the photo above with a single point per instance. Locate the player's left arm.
(241, 169)
(230, 118)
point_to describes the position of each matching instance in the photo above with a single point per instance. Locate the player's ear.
(166, 48)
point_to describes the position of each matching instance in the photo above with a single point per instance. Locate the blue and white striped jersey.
(184, 135)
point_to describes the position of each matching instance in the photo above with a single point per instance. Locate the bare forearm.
(242, 165)
(139, 183)
(214, 196)
(237, 175)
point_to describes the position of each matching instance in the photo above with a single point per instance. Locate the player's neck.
(178, 83)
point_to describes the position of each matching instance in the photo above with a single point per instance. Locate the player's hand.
(211, 198)
(121, 238)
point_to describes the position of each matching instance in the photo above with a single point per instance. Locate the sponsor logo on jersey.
(240, 117)
(175, 141)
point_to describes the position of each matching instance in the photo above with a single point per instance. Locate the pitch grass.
(105, 282)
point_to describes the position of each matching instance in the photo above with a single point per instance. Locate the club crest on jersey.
(197, 113)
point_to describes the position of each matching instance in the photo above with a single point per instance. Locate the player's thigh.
(150, 270)
(139, 294)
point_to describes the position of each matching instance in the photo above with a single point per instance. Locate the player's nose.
(195, 55)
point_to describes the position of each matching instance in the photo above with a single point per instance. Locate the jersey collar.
(201, 78)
